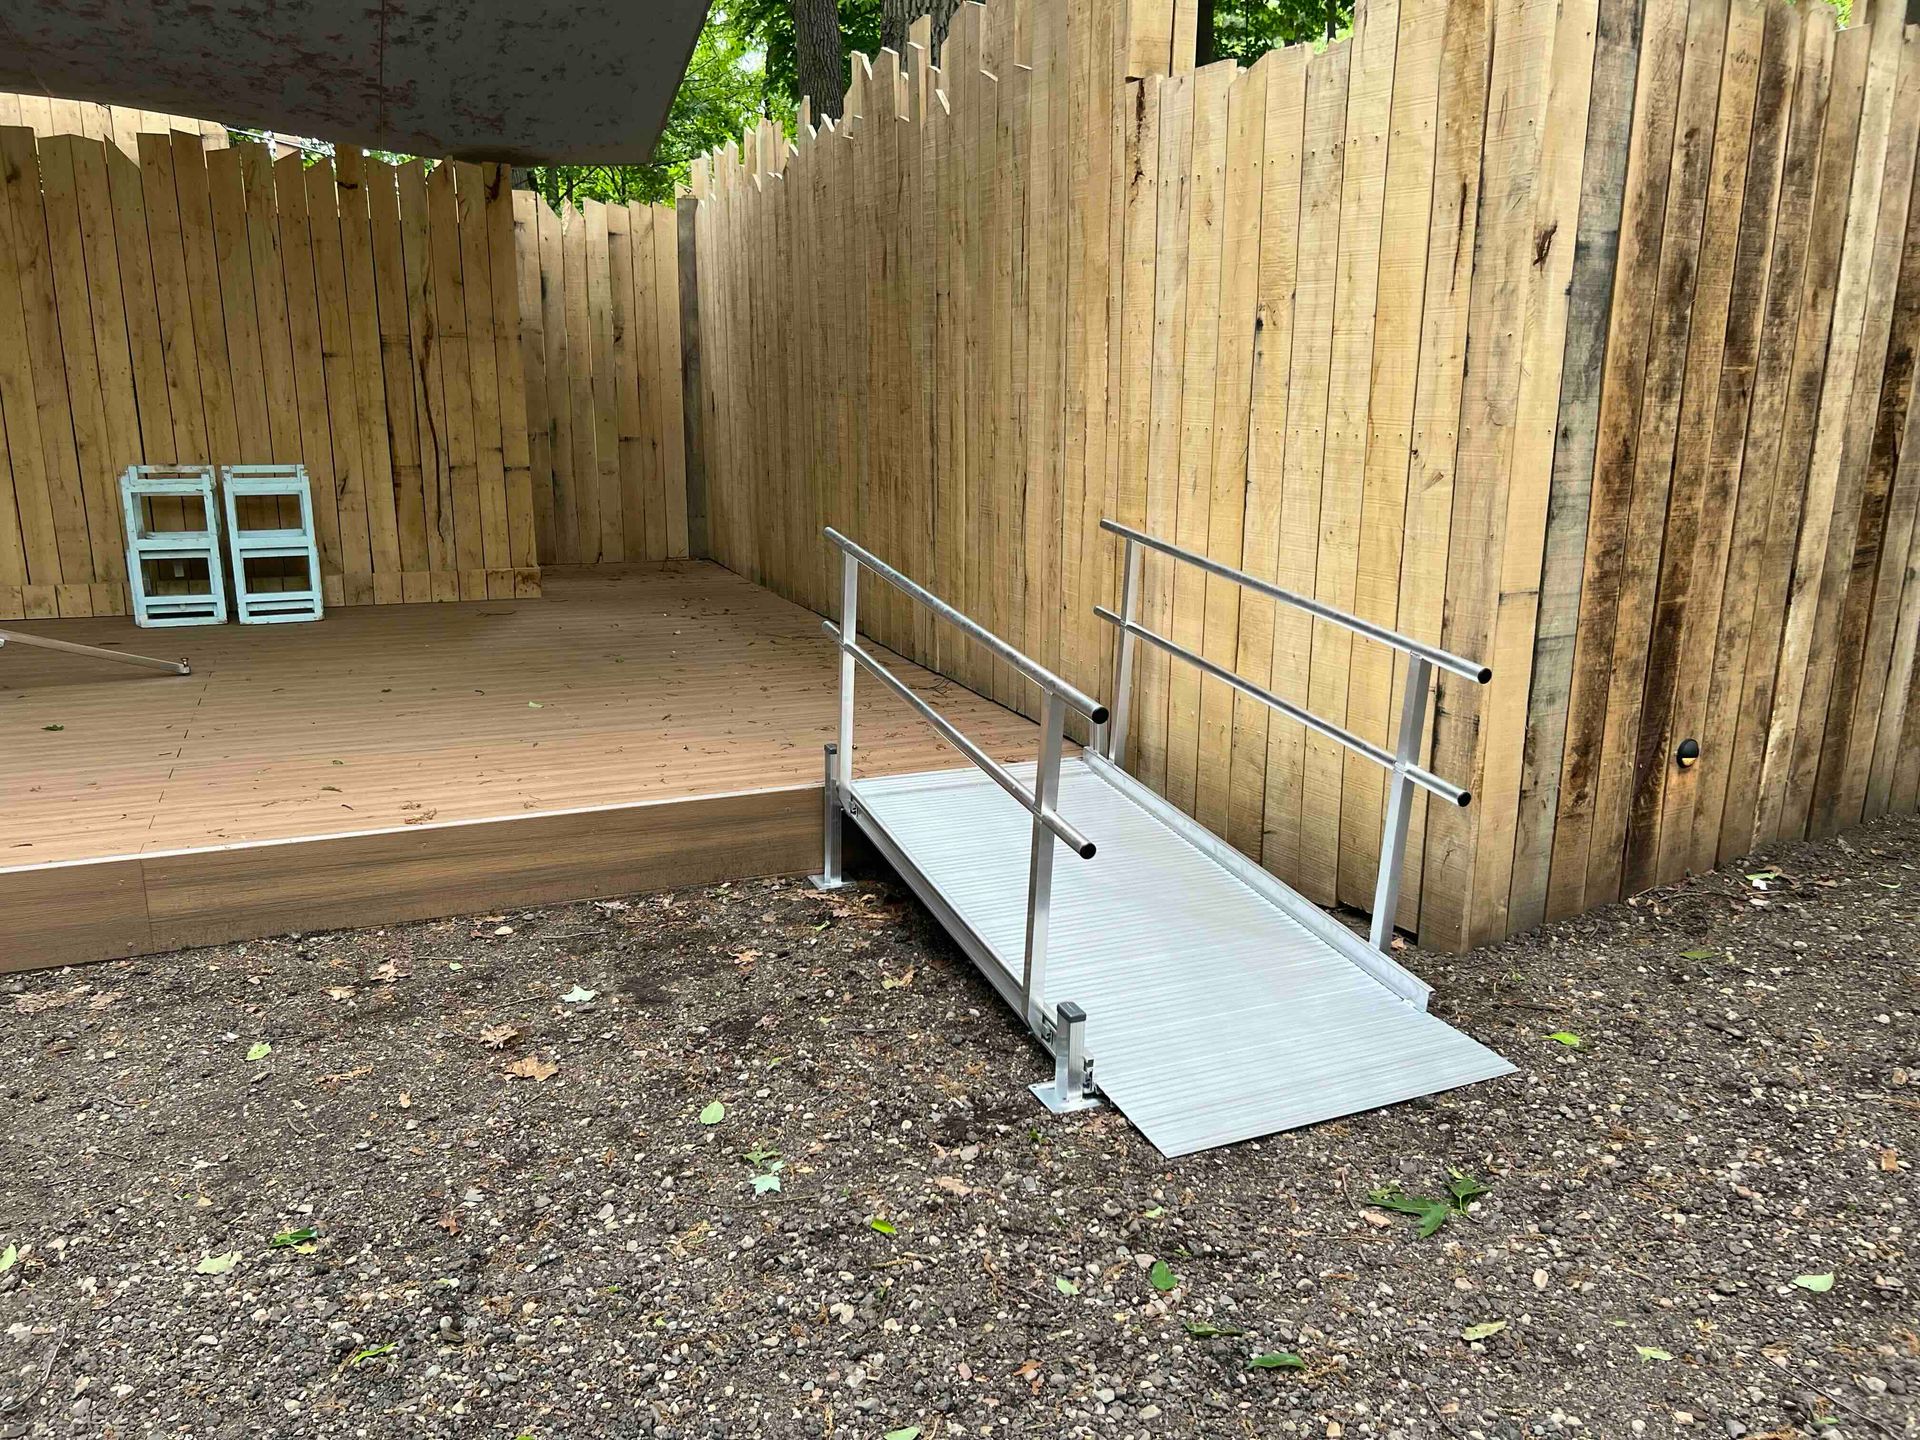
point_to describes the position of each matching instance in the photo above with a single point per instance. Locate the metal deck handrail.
(955, 737)
(1402, 763)
(1379, 754)
(1039, 802)
(1433, 654)
(1032, 669)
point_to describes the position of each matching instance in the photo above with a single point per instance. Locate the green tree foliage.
(723, 92)
(743, 71)
(766, 26)
(1244, 30)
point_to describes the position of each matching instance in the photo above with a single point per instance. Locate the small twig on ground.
(46, 1374)
(1438, 1413)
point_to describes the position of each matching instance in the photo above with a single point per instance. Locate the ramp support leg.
(829, 877)
(1068, 1090)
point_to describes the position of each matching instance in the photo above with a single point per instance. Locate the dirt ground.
(752, 1161)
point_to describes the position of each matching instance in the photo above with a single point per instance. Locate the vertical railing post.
(829, 876)
(1393, 834)
(1116, 747)
(849, 632)
(1046, 792)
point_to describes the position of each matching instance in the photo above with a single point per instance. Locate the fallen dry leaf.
(746, 957)
(340, 1077)
(340, 992)
(104, 999)
(954, 1185)
(1890, 1160)
(897, 982)
(42, 1000)
(498, 1037)
(533, 1067)
(1378, 1219)
(389, 971)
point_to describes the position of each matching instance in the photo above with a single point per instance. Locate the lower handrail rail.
(957, 738)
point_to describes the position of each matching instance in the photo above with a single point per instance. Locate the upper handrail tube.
(1380, 755)
(1445, 660)
(1032, 669)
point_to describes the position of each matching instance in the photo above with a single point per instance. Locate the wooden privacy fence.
(122, 124)
(222, 307)
(600, 340)
(1576, 337)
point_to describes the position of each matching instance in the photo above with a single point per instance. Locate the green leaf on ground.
(1652, 1352)
(1161, 1276)
(1432, 1214)
(1154, 1214)
(1707, 953)
(1465, 1189)
(1202, 1330)
(765, 1182)
(1483, 1331)
(713, 1114)
(905, 1432)
(885, 1227)
(1065, 1286)
(287, 1239)
(9, 1257)
(578, 995)
(1277, 1360)
(217, 1264)
(1818, 1284)
(259, 1050)
(370, 1352)
(1567, 1038)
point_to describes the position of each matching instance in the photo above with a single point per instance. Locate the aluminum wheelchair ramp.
(1213, 1015)
(1163, 970)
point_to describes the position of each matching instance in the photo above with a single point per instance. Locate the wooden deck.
(631, 730)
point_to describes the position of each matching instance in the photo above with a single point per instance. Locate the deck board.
(378, 739)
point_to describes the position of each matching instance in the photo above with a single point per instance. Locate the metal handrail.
(1402, 763)
(1379, 754)
(1465, 669)
(1060, 1028)
(1032, 669)
(953, 735)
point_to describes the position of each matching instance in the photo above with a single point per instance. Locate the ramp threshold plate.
(1213, 1014)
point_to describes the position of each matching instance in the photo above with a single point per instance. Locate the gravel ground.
(473, 1178)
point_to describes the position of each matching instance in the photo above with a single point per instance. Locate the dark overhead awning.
(530, 81)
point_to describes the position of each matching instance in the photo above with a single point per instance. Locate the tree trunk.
(897, 17)
(820, 55)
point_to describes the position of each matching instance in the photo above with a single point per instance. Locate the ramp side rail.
(1040, 801)
(1402, 763)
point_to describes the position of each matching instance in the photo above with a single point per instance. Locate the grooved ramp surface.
(1212, 1015)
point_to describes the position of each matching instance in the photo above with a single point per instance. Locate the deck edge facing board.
(86, 911)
